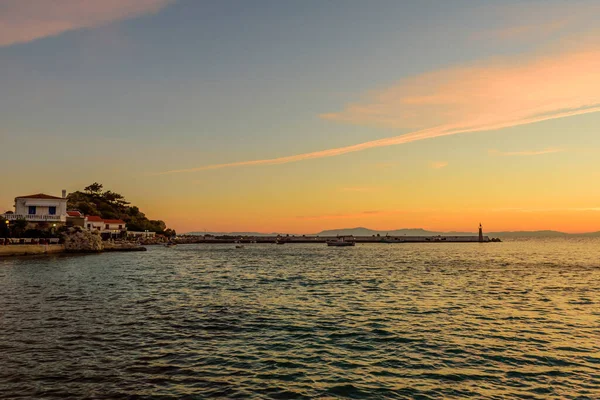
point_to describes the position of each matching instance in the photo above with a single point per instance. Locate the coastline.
(19, 250)
(30, 249)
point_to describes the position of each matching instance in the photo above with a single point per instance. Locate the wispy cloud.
(525, 152)
(439, 164)
(496, 94)
(499, 92)
(530, 22)
(530, 31)
(23, 21)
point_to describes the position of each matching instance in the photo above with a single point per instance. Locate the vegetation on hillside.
(110, 205)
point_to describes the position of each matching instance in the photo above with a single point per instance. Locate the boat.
(170, 244)
(388, 239)
(340, 242)
(239, 246)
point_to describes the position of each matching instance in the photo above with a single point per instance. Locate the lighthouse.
(480, 233)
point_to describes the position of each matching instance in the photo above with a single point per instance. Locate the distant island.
(361, 231)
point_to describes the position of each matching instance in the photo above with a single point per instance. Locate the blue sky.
(182, 84)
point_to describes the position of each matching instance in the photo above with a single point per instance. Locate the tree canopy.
(110, 205)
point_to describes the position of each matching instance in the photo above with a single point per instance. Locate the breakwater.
(324, 239)
(15, 250)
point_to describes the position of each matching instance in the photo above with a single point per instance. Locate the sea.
(513, 320)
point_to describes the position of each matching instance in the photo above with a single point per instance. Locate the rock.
(78, 240)
(122, 246)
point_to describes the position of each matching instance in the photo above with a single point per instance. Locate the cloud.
(530, 22)
(23, 21)
(439, 164)
(499, 92)
(525, 153)
(496, 94)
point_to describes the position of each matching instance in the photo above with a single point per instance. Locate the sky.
(301, 116)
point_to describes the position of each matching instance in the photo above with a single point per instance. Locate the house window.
(120, 226)
(31, 210)
(107, 226)
(52, 210)
(89, 226)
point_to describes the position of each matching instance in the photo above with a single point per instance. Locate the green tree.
(85, 208)
(115, 199)
(170, 233)
(18, 227)
(4, 228)
(95, 189)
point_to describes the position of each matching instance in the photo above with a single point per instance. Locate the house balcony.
(35, 217)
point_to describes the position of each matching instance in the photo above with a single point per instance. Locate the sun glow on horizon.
(276, 125)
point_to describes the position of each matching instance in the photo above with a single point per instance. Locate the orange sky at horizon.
(563, 221)
(297, 125)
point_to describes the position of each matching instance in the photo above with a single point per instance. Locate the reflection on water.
(515, 319)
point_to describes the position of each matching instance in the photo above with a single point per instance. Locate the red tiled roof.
(114, 221)
(74, 214)
(40, 196)
(95, 218)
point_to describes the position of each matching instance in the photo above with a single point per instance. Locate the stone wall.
(30, 249)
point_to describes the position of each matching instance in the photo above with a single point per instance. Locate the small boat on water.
(341, 242)
(239, 246)
(170, 244)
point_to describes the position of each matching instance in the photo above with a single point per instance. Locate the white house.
(114, 225)
(40, 208)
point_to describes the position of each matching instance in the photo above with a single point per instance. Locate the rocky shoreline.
(75, 240)
(78, 240)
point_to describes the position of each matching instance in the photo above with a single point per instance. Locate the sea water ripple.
(500, 320)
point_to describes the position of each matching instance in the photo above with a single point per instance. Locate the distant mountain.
(588, 234)
(361, 231)
(398, 232)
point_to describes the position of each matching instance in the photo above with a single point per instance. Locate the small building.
(94, 223)
(106, 227)
(75, 218)
(114, 225)
(36, 208)
(139, 234)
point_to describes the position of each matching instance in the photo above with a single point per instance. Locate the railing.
(35, 217)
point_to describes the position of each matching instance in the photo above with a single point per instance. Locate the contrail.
(429, 133)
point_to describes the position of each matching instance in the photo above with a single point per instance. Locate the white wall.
(94, 225)
(42, 206)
